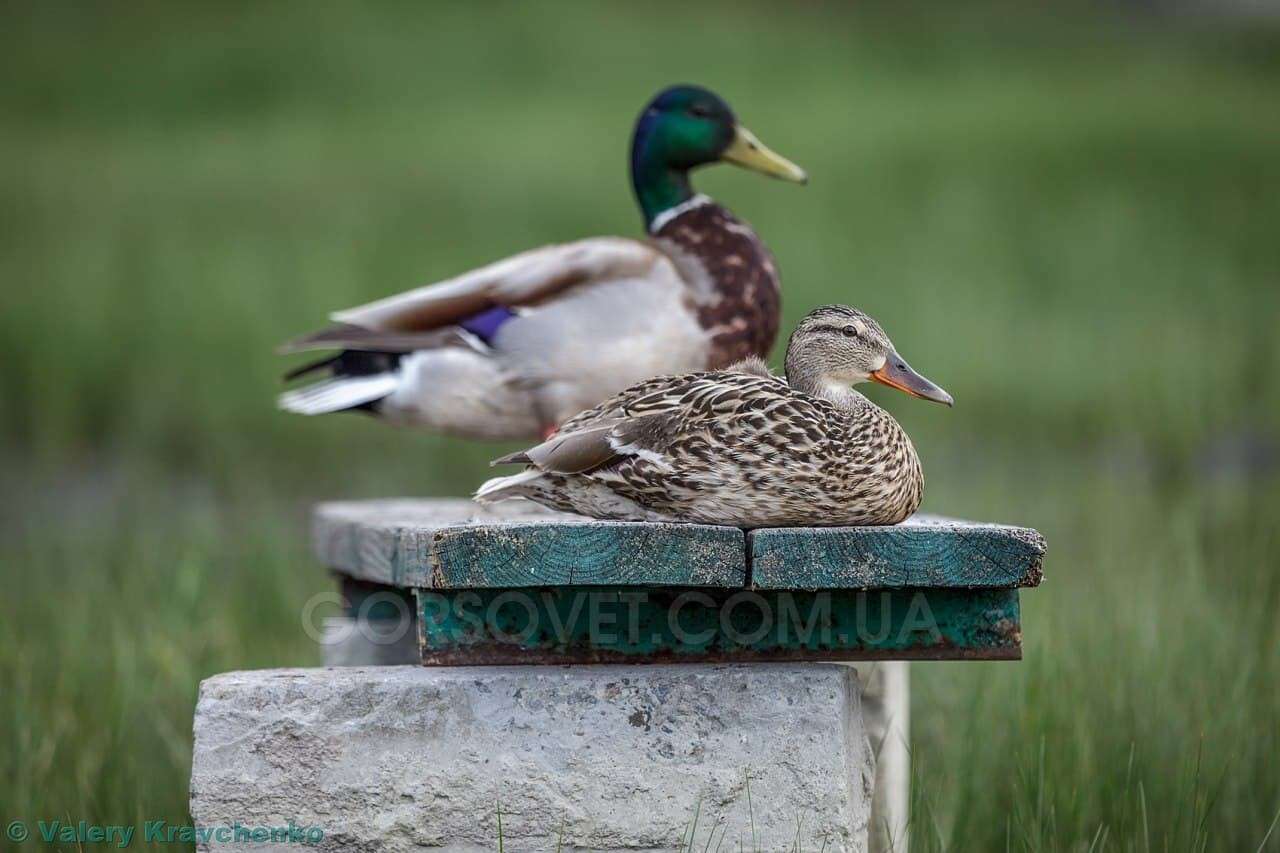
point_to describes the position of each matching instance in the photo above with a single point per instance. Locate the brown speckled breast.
(744, 309)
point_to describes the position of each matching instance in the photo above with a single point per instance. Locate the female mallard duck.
(512, 349)
(741, 446)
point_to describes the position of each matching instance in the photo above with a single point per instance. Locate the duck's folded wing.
(595, 446)
(647, 420)
(349, 337)
(521, 280)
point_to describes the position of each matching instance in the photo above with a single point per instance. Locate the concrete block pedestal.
(594, 758)
(752, 731)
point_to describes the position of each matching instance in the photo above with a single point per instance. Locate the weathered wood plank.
(454, 544)
(374, 540)
(583, 553)
(624, 624)
(446, 544)
(924, 551)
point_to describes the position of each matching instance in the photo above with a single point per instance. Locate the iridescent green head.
(682, 128)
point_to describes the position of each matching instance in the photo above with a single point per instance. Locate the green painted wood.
(367, 540)
(571, 624)
(523, 585)
(445, 544)
(454, 544)
(584, 553)
(925, 551)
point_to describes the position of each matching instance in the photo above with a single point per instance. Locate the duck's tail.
(502, 488)
(338, 394)
(357, 380)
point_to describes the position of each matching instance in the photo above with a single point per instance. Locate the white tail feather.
(501, 488)
(334, 395)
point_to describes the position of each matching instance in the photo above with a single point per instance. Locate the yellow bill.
(750, 153)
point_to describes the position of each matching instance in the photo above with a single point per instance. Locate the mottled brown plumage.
(742, 313)
(742, 446)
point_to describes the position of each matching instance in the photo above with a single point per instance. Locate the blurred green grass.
(1067, 219)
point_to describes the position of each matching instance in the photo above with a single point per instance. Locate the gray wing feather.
(346, 336)
(569, 452)
(596, 445)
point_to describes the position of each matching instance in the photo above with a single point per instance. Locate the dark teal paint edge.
(576, 625)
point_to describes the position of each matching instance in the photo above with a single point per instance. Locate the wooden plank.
(373, 540)
(566, 625)
(582, 553)
(924, 551)
(446, 544)
(455, 544)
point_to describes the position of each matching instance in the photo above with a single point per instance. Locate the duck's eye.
(699, 111)
(849, 332)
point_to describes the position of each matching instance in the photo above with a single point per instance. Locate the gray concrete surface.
(886, 715)
(615, 757)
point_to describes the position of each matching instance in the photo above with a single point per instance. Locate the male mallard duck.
(512, 349)
(741, 446)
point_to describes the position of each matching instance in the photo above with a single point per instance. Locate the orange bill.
(896, 373)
